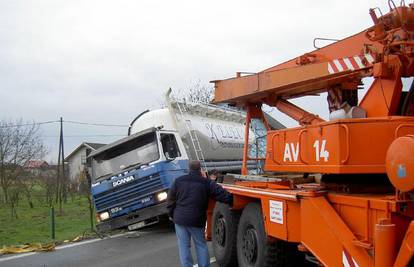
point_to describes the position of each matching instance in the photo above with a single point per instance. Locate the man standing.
(187, 205)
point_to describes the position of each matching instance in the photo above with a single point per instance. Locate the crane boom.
(377, 51)
(310, 73)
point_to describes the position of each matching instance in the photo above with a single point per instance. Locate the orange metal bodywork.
(350, 145)
(399, 164)
(358, 229)
(332, 224)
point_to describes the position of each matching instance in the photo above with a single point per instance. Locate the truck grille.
(127, 194)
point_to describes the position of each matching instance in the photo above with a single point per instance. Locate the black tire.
(255, 249)
(224, 236)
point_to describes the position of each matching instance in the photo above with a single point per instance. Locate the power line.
(27, 124)
(96, 124)
(93, 135)
(72, 122)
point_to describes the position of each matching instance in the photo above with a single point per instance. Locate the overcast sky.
(106, 61)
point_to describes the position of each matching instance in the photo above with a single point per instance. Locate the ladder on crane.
(182, 107)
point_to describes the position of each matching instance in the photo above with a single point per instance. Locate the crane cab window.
(169, 144)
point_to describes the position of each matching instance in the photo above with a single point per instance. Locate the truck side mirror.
(167, 156)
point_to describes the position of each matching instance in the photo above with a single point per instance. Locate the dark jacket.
(188, 199)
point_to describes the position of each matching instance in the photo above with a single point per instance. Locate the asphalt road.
(156, 246)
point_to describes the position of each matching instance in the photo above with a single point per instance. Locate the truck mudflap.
(133, 217)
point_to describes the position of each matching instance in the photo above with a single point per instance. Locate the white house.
(76, 161)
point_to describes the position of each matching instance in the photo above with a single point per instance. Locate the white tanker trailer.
(212, 134)
(131, 177)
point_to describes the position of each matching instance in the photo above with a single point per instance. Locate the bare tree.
(27, 181)
(196, 92)
(85, 184)
(14, 192)
(19, 143)
(48, 182)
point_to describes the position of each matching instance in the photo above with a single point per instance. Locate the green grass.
(33, 225)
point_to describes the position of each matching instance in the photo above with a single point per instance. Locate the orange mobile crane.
(361, 211)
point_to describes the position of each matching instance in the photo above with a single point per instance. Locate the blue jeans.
(184, 235)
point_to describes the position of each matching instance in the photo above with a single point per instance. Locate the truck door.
(169, 146)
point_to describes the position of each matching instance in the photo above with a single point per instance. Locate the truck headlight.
(162, 196)
(104, 216)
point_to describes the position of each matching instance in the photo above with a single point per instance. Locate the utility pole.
(58, 178)
(63, 175)
(61, 170)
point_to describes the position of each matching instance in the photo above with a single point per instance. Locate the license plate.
(136, 225)
(141, 224)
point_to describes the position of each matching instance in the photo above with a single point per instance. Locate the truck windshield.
(141, 150)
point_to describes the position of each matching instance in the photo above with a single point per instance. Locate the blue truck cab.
(131, 178)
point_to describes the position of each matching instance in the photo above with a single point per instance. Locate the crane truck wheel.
(224, 236)
(254, 249)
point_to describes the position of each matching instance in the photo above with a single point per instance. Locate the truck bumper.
(133, 217)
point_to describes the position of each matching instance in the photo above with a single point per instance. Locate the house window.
(83, 159)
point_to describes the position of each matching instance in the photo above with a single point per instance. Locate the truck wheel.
(224, 235)
(255, 249)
